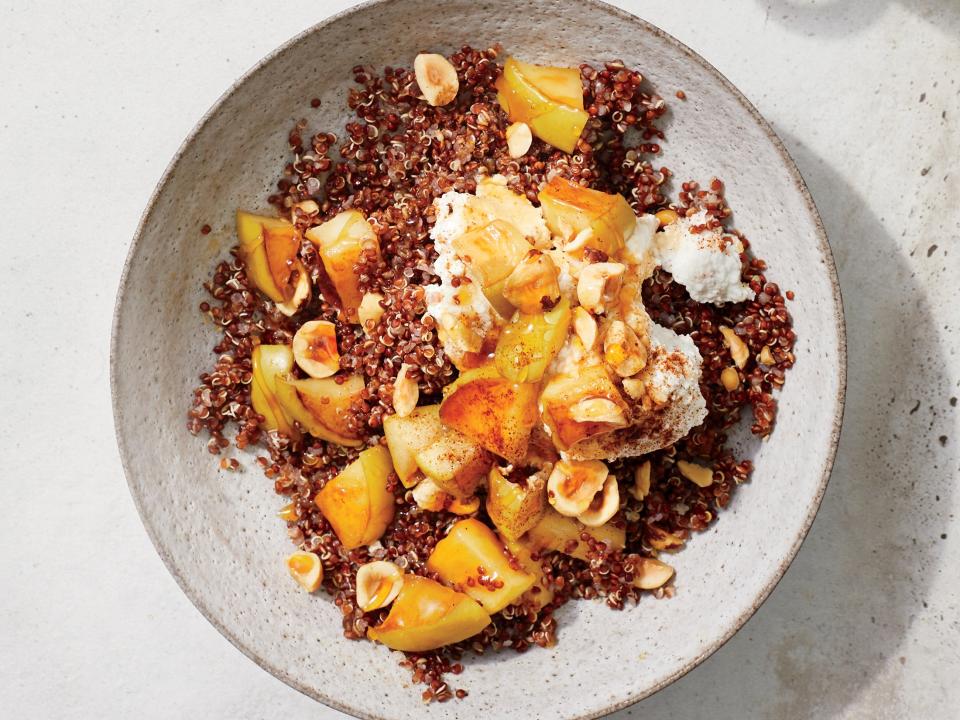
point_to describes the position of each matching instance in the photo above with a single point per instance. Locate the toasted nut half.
(306, 569)
(604, 504)
(663, 540)
(650, 573)
(406, 392)
(730, 379)
(667, 216)
(300, 294)
(641, 481)
(532, 282)
(315, 349)
(464, 507)
(288, 513)
(623, 350)
(370, 311)
(573, 484)
(599, 284)
(437, 78)
(697, 474)
(378, 584)
(519, 139)
(580, 240)
(766, 356)
(585, 327)
(598, 410)
(738, 348)
(307, 207)
(428, 495)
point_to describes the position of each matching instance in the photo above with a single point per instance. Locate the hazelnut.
(667, 217)
(370, 311)
(306, 569)
(519, 139)
(650, 573)
(406, 392)
(573, 484)
(738, 348)
(315, 349)
(604, 505)
(534, 279)
(730, 379)
(623, 350)
(641, 481)
(697, 474)
(378, 584)
(300, 294)
(599, 284)
(598, 410)
(585, 327)
(579, 241)
(766, 357)
(437, 78)
(288, 513)
(428, 496)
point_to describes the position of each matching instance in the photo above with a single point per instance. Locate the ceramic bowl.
(217, 532)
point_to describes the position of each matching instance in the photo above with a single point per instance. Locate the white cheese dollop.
(707, 264)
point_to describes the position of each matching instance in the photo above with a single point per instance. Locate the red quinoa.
(395, 157)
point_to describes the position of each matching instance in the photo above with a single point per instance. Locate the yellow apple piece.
(495, 412)
(529, 342)
(541, 592)
(562, 534)
(269, 249)
(342, 242)
(515, 506)
(408, 435)
(547, 99)
(320, 405)
(570, 208)
(426, 615)
(271, 362)
(471, 558)
(492, 251)
(357, 503)
(566, 400)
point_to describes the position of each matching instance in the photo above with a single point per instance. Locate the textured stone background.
(96, 99)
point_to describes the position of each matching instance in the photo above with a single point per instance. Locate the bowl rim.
(839, 327)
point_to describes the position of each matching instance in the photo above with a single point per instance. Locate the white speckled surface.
(864, 623)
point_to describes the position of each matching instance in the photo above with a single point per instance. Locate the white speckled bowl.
(217, 532)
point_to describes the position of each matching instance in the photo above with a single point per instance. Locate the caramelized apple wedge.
(342, 242)
(408, 435)
(570, 208)
(357, 503)
(495, 412)
(492, 251)
(269, 248)
(562, 534)
(320, 405)
(271, 362)
(582, 406)
(548, 99)
(529, 342)
(541, 592)
(426, 615)
(471, 558)
(516, 505)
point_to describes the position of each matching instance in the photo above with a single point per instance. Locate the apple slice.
(562, 534)
(471, 558)
(516, 506)
(570, 208)
(356, 502)
(408, 435)
(426, 615)
(320, 405)
(492, 251)
(269, 249)
(564, 395)
(541, 592)
(271, 362)
(341, 242)
(560, 84)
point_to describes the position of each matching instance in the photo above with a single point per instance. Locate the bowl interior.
(217, 531)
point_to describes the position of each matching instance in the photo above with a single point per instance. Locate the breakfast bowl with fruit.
(477, 369)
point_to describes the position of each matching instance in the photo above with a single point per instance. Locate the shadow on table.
(836, 622)
(838, 18)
